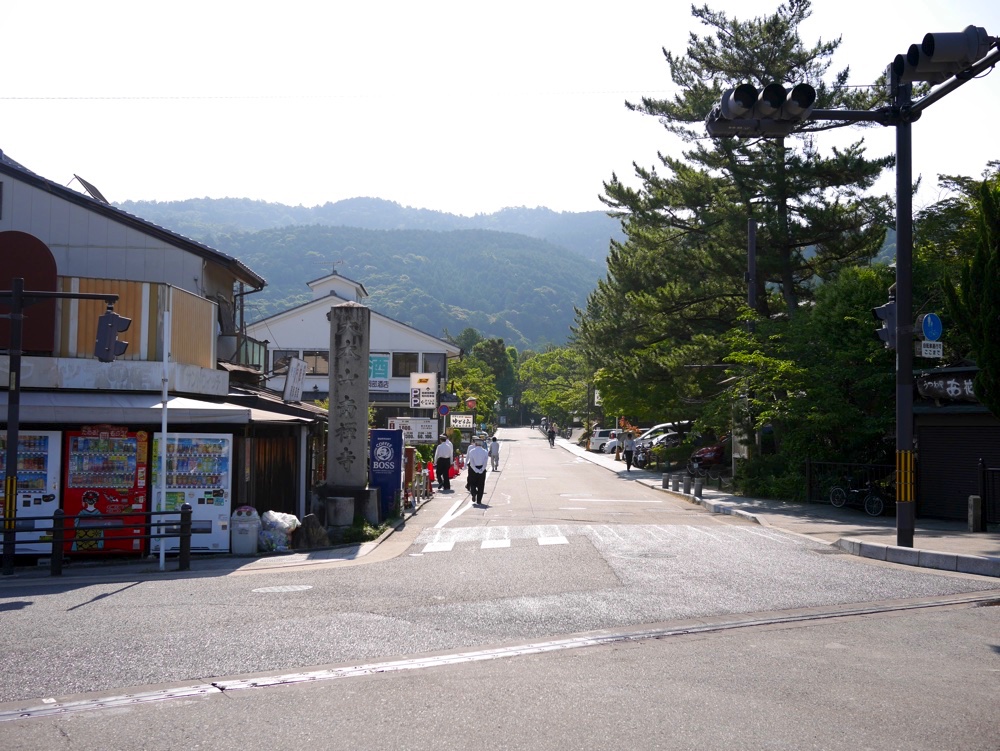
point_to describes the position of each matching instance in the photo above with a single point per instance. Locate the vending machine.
(105, 480)
(37, 489)
(198, 473)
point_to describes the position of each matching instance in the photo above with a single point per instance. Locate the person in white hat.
(475, 461)
(443, 455)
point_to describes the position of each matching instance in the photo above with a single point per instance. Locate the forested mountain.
(515, 274)
(502, 284)
(585, 233)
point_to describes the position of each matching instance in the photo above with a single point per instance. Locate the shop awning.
(71, 407)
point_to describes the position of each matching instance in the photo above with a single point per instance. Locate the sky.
(463, 107)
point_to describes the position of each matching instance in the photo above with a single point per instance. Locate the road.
(576, 608)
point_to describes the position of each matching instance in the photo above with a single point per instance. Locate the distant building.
(397, 349)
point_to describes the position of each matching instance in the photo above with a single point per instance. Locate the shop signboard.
(462, 421)
(415, 429)
(378, 371)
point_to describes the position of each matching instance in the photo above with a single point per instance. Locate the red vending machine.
(106, 472)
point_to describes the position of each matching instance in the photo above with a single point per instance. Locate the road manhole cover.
(285, 588)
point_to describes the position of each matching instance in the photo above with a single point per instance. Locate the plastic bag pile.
(276, 531)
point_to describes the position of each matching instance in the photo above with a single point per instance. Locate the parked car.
(611, 446)
(679, 429)
(601, 437)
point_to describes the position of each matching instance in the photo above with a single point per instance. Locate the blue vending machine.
(386, 468)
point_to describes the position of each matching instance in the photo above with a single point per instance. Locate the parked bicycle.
(866, 494)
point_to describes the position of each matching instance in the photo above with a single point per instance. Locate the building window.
(434, 363)
(317, 361)
(404, 363)
(280, 359)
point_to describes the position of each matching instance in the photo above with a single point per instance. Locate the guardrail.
(169, 520)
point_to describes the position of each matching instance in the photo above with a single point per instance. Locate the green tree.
(467, 339)
(472, 379)
(975, 303)
(555, 384)
(676, 286)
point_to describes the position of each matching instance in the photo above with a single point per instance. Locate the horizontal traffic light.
(106, 346)
(771, 111)
(940, 56)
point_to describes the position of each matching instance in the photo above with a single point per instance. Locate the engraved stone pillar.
(347, 441)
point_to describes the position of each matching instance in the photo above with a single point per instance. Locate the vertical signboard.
(386, 456)
(423, 390)
(378, 371)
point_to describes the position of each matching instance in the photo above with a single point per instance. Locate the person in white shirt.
(443, 456)
(495, 453)
(475, 461)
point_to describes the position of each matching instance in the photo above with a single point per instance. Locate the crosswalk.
(620, 539)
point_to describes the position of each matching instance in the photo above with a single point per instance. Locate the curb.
(963, 564)
(958, 562)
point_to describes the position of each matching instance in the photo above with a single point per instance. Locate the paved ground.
(940, 544)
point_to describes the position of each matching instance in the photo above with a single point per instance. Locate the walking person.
(443, 455)
(628, 448)
(476, 459)
(495, 453)
(552, 435)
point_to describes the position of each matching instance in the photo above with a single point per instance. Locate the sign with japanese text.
(463, 422)
(415, 429)
(378, 371)
(946, 387)
(423, 390)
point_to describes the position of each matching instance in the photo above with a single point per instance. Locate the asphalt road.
(576, 606)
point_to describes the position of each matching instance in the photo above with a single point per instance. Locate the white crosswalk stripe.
(610, 538)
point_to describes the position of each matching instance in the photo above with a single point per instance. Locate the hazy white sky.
(450, 105)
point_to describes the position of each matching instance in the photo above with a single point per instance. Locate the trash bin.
(244, 527)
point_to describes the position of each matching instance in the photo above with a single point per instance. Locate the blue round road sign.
(931, 325)
(443, 410)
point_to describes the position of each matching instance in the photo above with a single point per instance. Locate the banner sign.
(423, 390)
(293, 380)
(378, 372)
(463, 422)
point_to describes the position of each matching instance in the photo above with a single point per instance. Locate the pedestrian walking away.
(476, 460)
(628, 448)
(495, 453)
(552, 435)
(443, 455)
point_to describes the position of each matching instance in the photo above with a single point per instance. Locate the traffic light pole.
(19, 299)
(905, 474)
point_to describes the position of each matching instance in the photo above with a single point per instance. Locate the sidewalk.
(938, 544)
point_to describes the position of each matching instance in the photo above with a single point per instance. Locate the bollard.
(675, 483)
(976, 514)
(697, 487)
(58, 534)
(666, 480)
(184, 558)
(687, 484)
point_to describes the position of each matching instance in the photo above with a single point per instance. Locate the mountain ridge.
(427, 269)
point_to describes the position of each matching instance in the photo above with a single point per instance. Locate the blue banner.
(386, 467)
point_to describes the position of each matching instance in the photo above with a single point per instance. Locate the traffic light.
(887, 315)
(772, 111)
(109, 325)
(940, 56)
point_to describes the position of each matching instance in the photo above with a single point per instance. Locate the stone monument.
(346, 489)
